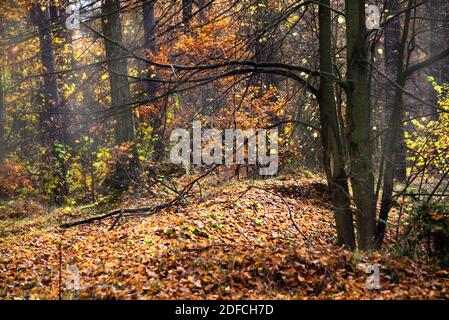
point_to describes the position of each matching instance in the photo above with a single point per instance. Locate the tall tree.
(202, 9)
(359, 123)
(150, 44)
(439, 34)
(53, 119)
(187, 10)
(333, 159)
(267, 45)
(394, 132)
(392, 48)
(2, 110)
(121, 110)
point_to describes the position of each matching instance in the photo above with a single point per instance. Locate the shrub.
(13, 179)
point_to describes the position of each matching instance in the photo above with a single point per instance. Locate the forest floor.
(268, 239)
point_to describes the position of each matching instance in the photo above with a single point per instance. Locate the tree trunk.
(2, 120)
(53, 120)
(187, 9)
(121, 108)
(266, 46)
(359, 124)
(439, 34)
(333, 158)
(149, 27)
(201, 6)
(151, 87)
(392, 44)
(393, 134)
(2, 111)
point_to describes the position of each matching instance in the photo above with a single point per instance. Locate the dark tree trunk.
(187, 9)
(439, 35)
(333, 159)
(359, 124)
(266, 47)
(121, 108)
(64, 53)
(53, 120)
(2, 119)
(151, 87)
(201, 6)
(393, 134)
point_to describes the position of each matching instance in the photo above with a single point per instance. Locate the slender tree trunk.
(64, 53)
(121, 109)
(393, 133)
(187, 9)
(392, 46)
(53, 120)
(333, 158)
(266, 46)
(359, 124)
(2, 120)
(149, 26)
(202, 13)
(439, 35)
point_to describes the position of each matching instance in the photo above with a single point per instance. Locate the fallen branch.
(290, 213)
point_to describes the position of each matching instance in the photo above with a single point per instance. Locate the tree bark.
(201, 6)
(392, 137)
(438, 10)
(333, 157)
(2, 111)
(187, 9)
(151, 87)
(149, 26)
(394, 133)
(359, 124)
(121, 109)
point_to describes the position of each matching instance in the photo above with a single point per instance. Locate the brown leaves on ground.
(235, 242)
